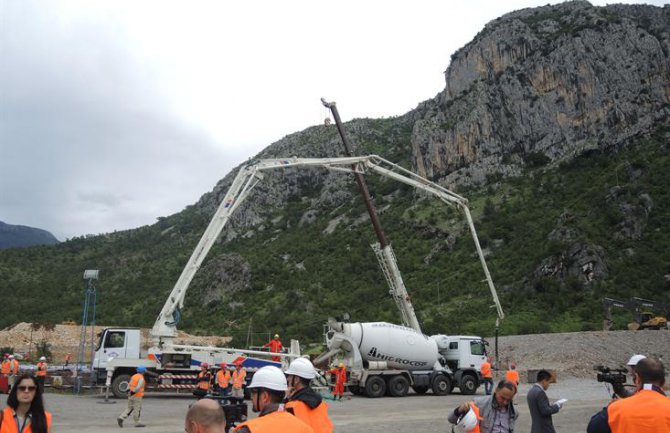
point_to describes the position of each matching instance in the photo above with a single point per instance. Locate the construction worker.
(302, 400)
(223, 380)
(238, 377)
(487, 375)
(268, 387)
(205, 416)
(646, 411)
(275, 346)
(135, 394)
(4, 368)
(512, 375)
(13, 370)
(340, 378)
(495, 413)
(621, 389)
(41, 374)
(204, 381)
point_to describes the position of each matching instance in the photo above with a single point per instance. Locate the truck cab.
(115, 343)
(464, 355)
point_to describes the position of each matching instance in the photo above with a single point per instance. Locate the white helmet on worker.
(635, 359)
(269, 377)
(301, 367)
(42, 358)
(466, 422)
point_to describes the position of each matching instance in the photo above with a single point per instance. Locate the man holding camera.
(646, 411)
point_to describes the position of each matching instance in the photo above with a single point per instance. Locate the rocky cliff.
(545, 84)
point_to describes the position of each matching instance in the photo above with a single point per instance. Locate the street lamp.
(90, 275)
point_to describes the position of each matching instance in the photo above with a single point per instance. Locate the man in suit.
(538, 403)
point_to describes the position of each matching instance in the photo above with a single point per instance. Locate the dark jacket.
(540, 410)
(307, 396)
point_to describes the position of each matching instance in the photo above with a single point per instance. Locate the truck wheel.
(441, 385)
(375, 387)
(468, 385)
(120, 385)
(398, 386)
(420, 389)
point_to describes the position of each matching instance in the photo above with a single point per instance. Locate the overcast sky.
(114, 112)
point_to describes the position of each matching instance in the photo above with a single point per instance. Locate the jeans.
(488, 385)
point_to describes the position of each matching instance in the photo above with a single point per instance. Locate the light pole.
(90, 275)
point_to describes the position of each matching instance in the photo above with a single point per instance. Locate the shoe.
(140, 425)
(119, 421)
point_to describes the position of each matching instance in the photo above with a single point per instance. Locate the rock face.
(545, 84)
(16, 236)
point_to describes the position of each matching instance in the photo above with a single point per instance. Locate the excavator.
(643, 313)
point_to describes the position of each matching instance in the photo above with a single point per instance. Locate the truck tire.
(375, 387)
(441, 385)
(398, 386)
(120, 385)
(468, 385)
(420, 389)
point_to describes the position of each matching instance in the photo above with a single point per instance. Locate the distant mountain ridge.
(18, 236)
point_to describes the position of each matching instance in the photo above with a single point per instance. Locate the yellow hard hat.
(341, 364)
(276, 335)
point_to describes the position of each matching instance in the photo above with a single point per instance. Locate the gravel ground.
(575, 354)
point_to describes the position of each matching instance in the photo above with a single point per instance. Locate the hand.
(463, 408)
(561, 402)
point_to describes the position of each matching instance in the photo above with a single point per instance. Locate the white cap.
(11, 356)
(42, 358)
(467, 422)
(269, 377)
(635, 359)
(301, 367)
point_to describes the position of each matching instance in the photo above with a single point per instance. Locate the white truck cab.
(464, 355)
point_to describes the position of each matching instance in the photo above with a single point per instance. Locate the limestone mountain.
(553, 123)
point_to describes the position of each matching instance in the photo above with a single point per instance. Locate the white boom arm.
(247, 178)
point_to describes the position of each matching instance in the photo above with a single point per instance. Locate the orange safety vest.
(486, 370)
(646, 411)
(9, 426)
(316, 418)
(136, 385)
(238, 378)
(512, 376)
(276, 422)
(475, 409)
(42, 369)
(223, 378)
(204, 384)
(14, 366)
(4, 369)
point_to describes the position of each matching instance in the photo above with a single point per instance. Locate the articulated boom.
(165, 327)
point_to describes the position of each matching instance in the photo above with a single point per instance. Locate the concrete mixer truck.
(384, 358)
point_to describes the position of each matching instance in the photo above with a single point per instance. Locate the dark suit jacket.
(540, 410)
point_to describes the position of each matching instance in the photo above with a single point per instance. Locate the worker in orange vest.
(268, 388)
(340, 378)
(204, 381)
(135, 395)
(646, 411)
(238, 377)
(275, 346)
(487, 375)
(223, 380)
(305, 403)
(13, 370)
(512, 375)
(4, 368)
(42, 370)
(488, 412)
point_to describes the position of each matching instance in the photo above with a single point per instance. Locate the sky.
(116, 112)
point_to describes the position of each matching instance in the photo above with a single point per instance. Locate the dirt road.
(165, 413)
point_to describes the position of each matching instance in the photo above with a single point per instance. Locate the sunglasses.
(26, 388)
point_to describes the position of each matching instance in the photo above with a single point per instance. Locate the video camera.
(613, 376)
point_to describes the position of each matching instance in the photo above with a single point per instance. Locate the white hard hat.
(301, 367)
(466, 422)
(11, 356)
(635, 359)
(42, 358)
(269, 377)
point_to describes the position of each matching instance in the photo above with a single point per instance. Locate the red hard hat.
(204, 364)
(224, 365)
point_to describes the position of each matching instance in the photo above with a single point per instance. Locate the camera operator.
(647, 411)
(205, 416)
(619, 388)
